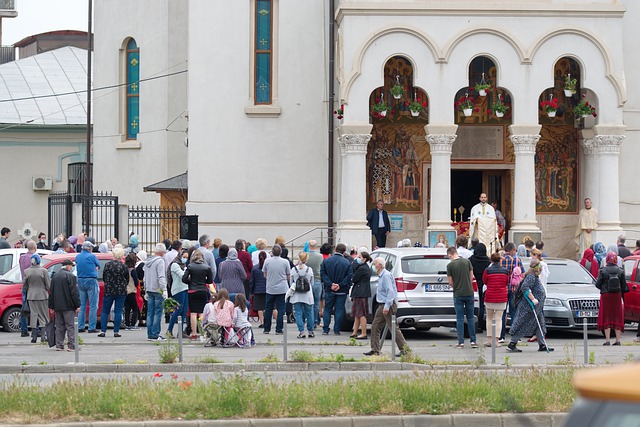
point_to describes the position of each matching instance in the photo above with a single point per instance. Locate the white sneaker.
(161, 338)
(501, 340)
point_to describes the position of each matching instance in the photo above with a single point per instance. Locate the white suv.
(9, 257)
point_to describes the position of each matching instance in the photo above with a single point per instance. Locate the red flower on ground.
(157, 375)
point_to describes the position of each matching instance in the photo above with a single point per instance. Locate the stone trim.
(589, 147)
(609, 144)
(441, 143)
(354, 143)
(524, 144)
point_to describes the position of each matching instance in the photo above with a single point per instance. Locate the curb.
(455, 420)
(267, 367)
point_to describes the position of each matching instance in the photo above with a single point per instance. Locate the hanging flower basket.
(550, 106)
(398, 90)
(583, 109)
(465, 105)
(380, 108)
(499, 108)
(499, 114)
(416, 106)
(415, 113)
(483, 87)
(569, 86)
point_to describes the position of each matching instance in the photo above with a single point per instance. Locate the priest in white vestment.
(587, 222)
(483, 224)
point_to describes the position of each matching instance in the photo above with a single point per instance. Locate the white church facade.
(238, 95)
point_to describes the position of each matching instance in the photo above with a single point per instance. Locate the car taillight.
(405, 285)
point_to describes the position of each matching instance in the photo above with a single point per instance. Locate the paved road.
(435, 346)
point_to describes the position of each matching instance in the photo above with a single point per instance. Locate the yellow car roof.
(611, 383)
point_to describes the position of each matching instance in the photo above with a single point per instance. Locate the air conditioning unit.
(42, 183)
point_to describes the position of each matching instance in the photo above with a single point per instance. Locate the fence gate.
(59, 214)
(104, 216)
(153, 224)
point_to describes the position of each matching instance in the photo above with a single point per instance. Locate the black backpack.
(302, 283)
(519, 294)
(613, 283)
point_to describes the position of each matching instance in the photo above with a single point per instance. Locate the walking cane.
(541, 338)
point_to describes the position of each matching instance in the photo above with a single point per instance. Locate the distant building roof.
(51, 34)
(179, 182)
(26, 86)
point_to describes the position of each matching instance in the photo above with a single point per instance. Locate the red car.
(11, 288)
(632, 298)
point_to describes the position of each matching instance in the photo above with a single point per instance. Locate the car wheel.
(11, 319)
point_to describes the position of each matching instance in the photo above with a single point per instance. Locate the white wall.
(160, 30)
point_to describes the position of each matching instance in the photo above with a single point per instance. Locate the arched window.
(263, 51)
(133, 89)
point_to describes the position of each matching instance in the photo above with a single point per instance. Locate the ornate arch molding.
(448, 49)
(619, 86)
(356, 69)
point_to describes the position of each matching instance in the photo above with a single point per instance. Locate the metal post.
(180, 322)
(586, 340)
(393, 337)
(76, 347)
(493, 340)
(284, 335)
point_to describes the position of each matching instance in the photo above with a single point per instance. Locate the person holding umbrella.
(529, 318)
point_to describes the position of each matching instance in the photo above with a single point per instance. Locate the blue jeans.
(280, 305)
(317, 295)
(511, 306)
(107, 302)
(182, 310)
(154, 314)
(332, 300)
(89, 293)
(464, 307)
(24, 321)
(304, 311)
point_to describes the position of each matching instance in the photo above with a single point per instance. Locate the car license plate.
(437, 287)
(587, 313)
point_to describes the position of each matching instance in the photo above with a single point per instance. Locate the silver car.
(425, 299)
(571, 295)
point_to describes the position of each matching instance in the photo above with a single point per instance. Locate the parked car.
(632, 298)
(571, 295)
(11, 288)
(9, 257)
(425, 299)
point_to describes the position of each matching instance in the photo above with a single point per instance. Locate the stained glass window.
(133, 90)
(263, 51)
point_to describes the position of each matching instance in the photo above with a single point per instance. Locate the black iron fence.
(153, 224)
(59, 214)
(104, 216)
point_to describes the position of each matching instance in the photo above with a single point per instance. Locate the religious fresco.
(556, 170)
(398, 146)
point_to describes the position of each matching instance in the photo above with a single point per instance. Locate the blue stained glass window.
(263, 52)
(133, 89)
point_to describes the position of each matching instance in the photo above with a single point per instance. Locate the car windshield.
(571, 272)
(424, 265)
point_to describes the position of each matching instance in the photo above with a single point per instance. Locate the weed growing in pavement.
(309, 357)
(168, 351)
(592, 357)
(42, 363)
(570, 355)
(24, 363)
(481, 360)
(269, 342)
(302, 356)
(378, 358)
(209, 359)
(627, 344)
(245, 396)
(141, 362)
(411, 357)
(269, 358)
(507, 361)
(119, 362)
(630, 357)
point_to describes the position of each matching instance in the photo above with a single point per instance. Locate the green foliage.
(269, 358)
(168, 351)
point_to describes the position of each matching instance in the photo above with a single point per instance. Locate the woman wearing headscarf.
(600, 253)
(232, 275)
(588, 261)
(610, 315)
(525, 323)
(480, 261)
(614, 249)
(36, 286)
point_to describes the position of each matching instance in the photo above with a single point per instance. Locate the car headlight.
(553, 302)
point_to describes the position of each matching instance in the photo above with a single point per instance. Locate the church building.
(291, 116)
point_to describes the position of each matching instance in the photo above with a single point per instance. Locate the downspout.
(331, 121)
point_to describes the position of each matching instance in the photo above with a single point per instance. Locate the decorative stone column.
(440, 139)
(524, 139)
(352, 228)
(608, 204)
(590, 170)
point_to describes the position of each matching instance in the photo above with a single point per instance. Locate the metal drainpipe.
(331, 121)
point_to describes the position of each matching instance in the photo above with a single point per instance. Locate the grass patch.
(209, 359)
(119, 362)
(269, 358)
(307, 356)
(168, 352)
(247, 396)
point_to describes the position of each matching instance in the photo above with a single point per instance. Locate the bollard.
(586, 340)
(181, 323)
(76, 347)
(493, 340)
(285, 321)
(393, 337)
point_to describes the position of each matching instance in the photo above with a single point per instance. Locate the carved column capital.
(441, 143)
(589, 146)
(354, 143)
(609, 144)
(524, 144)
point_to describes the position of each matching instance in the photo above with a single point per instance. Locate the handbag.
(50, 332)
(25, 311)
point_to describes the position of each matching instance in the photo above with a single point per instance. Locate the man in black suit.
(378, 222)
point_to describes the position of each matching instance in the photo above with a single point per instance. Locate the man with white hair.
(623, 251)
(314, 262)
(205, 242)
(155, 286)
